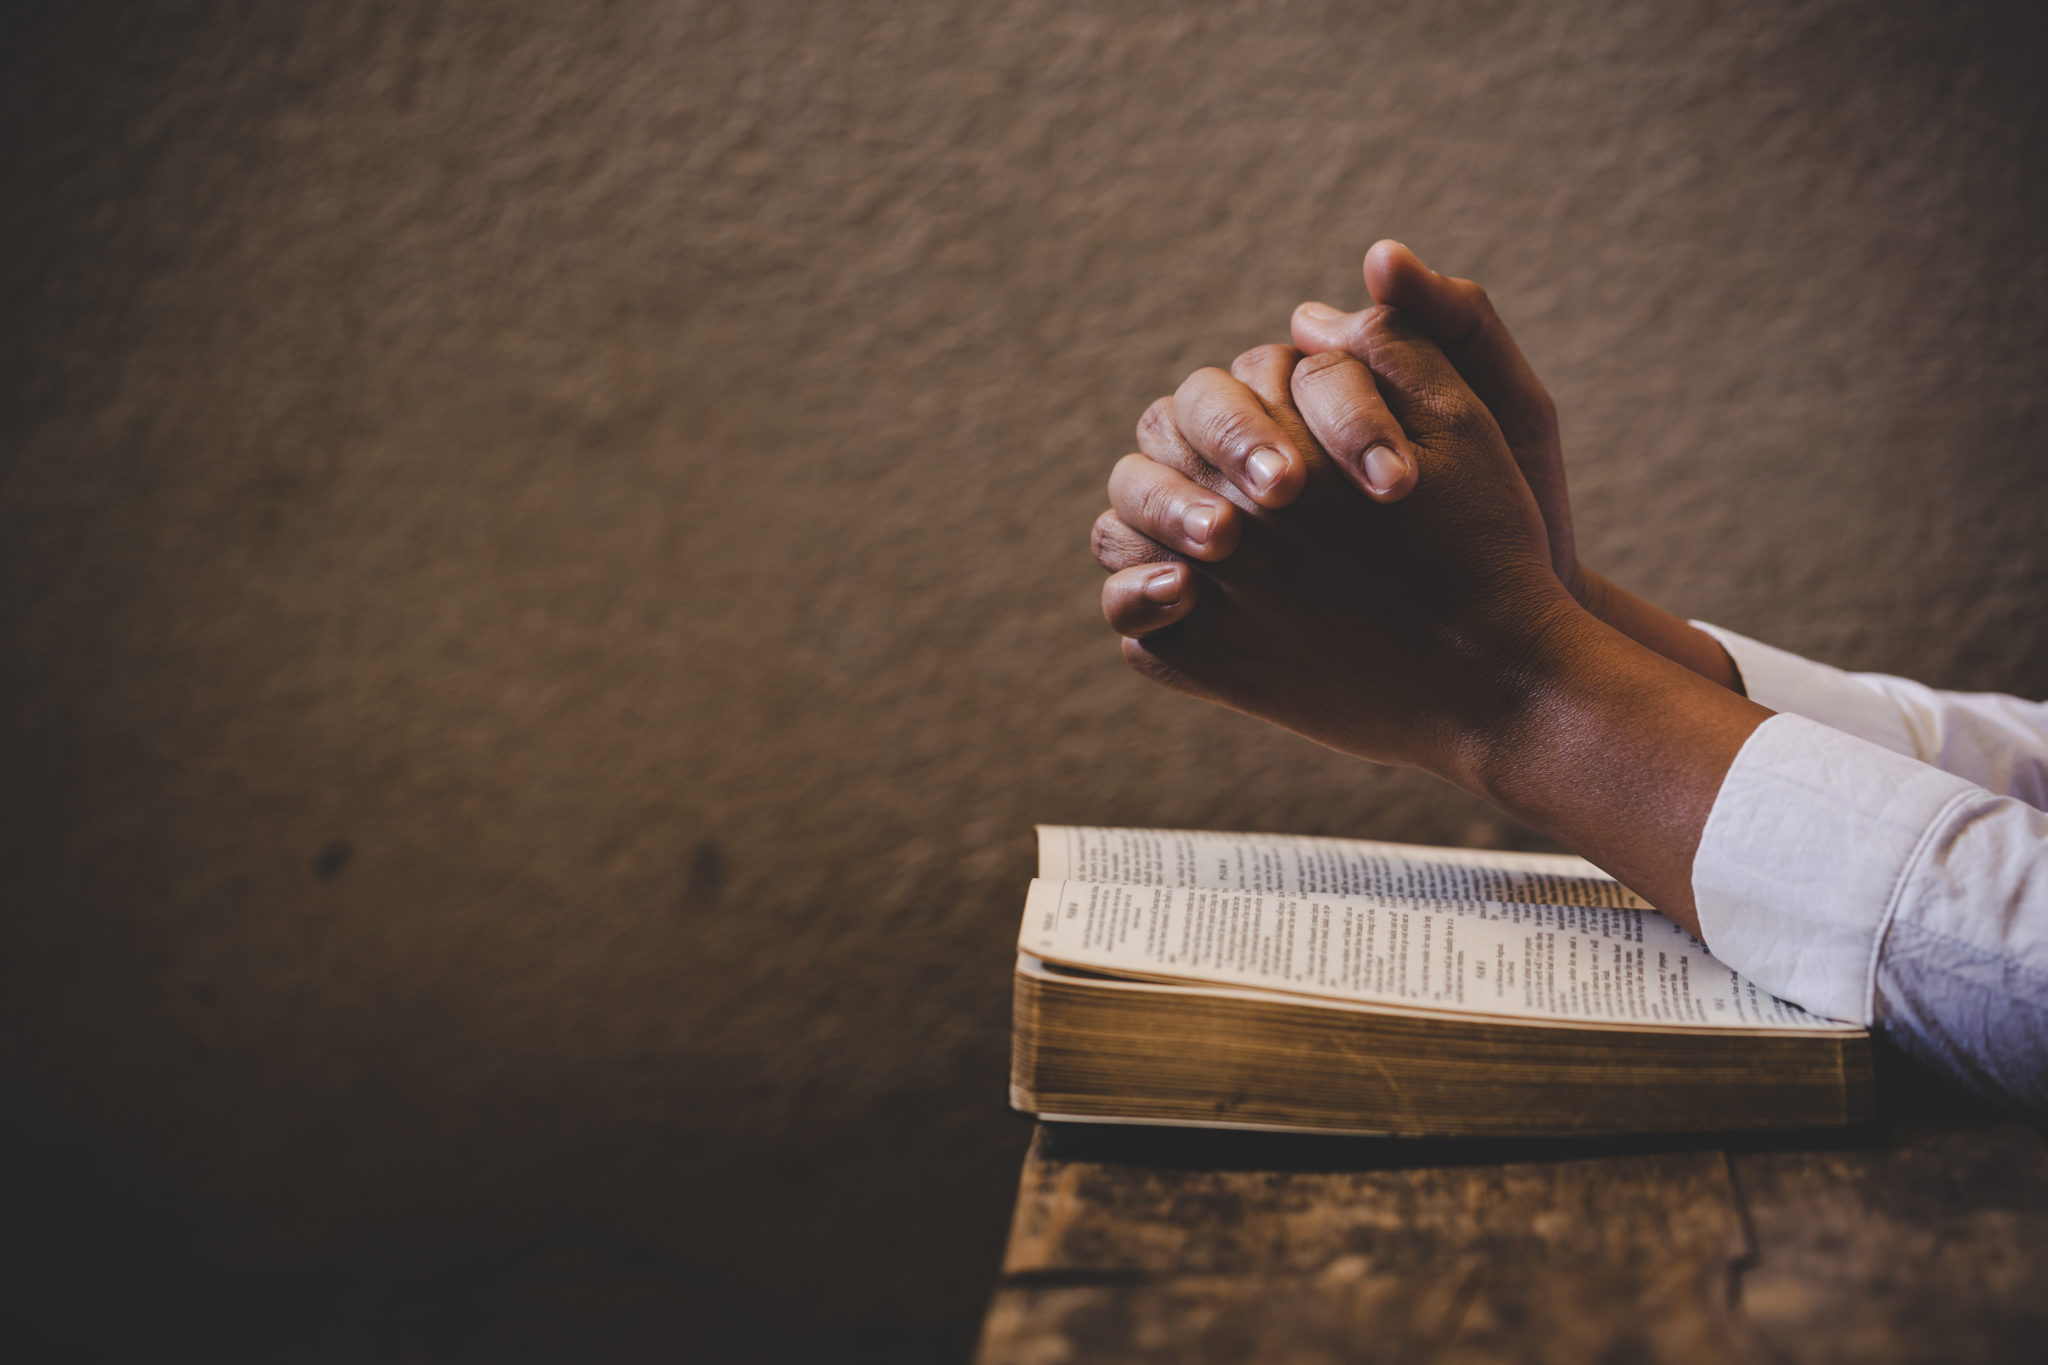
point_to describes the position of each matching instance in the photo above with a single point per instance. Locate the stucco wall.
(543, 576)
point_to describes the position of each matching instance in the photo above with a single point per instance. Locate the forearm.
(1615, 751)
(1656, 629)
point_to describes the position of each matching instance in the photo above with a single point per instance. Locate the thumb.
(1420, 386)
(1458, 316)
(1464, 461)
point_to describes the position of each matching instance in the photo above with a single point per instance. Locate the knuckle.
(1371, 332)
(1381, 323)
(1353, 331)
(1353, 424)
(1265, 369)
(1317, 369)
(1199, 385)
(1116, 545)
(1158, 509)
(1156, 421)
(1103, 538)
(1342, 405)
(1228, 429)
(1124, 472)
(1143, 496)
(1263, 356)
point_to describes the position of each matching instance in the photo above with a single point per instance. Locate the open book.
(1269, 981)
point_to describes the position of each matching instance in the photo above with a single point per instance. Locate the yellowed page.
(1300, 865)
(1590, 964)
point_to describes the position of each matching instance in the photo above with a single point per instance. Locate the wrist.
(1616, 752)
(1540, 678)
(1657, 629)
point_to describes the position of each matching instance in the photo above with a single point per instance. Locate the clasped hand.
(1338, 537)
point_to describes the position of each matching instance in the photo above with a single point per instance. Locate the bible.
(1344, 985)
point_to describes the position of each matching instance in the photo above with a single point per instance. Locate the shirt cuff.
(1811, 843)
(1785, 682)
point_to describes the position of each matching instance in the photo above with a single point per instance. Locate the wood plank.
(1916, 1239)
(1622, 1256)
(1931, 1247)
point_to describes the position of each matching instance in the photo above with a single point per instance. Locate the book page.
(1576, 963)
(1301, 865)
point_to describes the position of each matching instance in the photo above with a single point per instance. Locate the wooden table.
(1920, 1237)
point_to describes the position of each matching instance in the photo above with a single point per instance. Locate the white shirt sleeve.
(1880, 872)
(1998, 742)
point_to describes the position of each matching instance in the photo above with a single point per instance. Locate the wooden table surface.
(1920, 1237)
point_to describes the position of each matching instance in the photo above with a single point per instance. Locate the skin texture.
(1307, 605)
(1459, 316)
(1345, 417)
(1439, 619)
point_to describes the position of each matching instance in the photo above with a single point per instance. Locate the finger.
(1459, 317)
(1138, 601)
(1224, 422)
(1116, 546)
(1268, 372)
(1160, 440)
(1344, 412)
(1421, 387)
(1168, 507)
(1264, 370)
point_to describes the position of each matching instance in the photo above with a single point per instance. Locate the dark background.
(543, 576)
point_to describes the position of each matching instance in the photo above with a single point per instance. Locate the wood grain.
(1935, 1248)
(1896, 1243)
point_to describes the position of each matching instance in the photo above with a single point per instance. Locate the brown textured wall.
(543, 575)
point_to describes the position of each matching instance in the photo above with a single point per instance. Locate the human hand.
(1390, 632)
(1432, 631)
(1220, 448)
(1217, 424)
(1459, 317)
(1217, 418)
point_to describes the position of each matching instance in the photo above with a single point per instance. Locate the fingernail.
(1321, 312)
(1385, 467)
(1198, 523)
(1163, 587)
(1265, 467)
